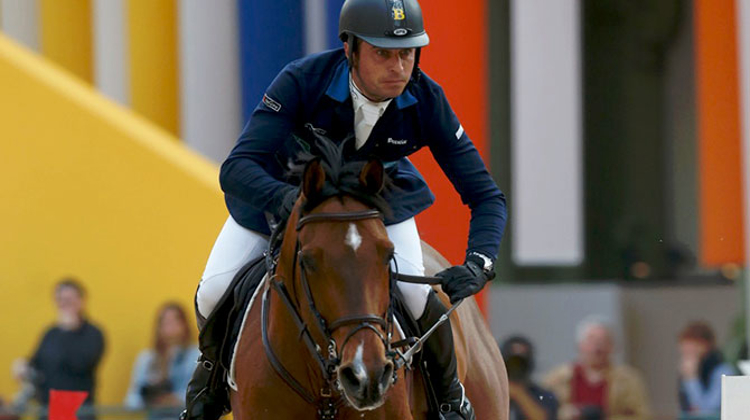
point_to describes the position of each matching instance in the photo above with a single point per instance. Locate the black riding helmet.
(384, 24)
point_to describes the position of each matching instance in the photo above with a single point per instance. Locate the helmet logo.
(400, 32)
(398, 10)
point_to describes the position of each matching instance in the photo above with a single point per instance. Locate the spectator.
(593, 388)
(161, 374)
(701, 368)
(70, 350)
(528, 401)
(6, 413)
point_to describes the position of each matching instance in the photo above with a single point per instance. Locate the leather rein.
(327, 360)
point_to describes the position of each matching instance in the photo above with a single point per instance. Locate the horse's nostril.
(349, 379)
(385, 380)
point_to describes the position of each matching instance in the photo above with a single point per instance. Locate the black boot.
(440, 355)
(207, 397)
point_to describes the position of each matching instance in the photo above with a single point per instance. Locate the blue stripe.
(334, 9)
(271, 35)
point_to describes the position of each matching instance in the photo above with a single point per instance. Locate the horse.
(320, 344)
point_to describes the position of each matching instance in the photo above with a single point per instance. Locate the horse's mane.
(342, 175)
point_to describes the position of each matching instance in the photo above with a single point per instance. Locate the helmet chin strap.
(416, 73)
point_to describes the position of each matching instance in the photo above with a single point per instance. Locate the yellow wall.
(90, 189)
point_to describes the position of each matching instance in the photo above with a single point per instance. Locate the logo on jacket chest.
(396, 142)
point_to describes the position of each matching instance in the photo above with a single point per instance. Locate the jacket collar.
(338, 89)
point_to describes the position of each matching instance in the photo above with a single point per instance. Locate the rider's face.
(381, 73)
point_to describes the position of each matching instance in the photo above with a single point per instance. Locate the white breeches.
(237, 245)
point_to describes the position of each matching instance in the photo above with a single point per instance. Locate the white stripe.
(353, 239)
(359, 356)
(546, 158)
(460, 131)
(111, 57)
(209, 76)
(315, 26)
(19, 20)
(743, 28)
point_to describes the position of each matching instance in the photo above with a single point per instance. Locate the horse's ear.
(372, 176)
(313, 179)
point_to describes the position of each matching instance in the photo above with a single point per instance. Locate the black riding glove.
(462, 281)
(284, 201)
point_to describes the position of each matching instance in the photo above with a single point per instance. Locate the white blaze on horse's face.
(359, 365)
(353, 238)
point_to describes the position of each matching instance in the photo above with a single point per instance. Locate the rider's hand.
(462, 281)
(285, 199)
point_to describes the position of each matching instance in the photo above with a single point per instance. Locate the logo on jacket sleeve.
(267, 101)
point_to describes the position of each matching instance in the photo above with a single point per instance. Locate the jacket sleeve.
(461, 163)
(245, 173)
(133, 399)
(630, 399)
(707, 400)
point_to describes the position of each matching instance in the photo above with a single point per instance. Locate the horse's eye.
(307, 262)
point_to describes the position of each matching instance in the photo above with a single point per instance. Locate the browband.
(339, 217)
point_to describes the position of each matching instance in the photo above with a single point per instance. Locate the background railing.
(113, 412)
(98, 412)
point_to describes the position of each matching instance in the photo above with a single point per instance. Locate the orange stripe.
(457, 59)
(717, 86)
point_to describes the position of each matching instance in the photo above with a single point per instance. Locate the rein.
(329, 361)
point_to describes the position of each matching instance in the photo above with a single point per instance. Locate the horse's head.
(343, 255)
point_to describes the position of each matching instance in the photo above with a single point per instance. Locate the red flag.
(63, 405)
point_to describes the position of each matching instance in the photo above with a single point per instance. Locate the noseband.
(329, 362)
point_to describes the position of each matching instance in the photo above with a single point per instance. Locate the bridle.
(328, 361)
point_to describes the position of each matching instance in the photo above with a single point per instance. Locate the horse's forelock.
(342, 176)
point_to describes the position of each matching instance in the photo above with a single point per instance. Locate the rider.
(373, 89)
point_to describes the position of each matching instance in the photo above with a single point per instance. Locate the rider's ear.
(372, 176)
(313, 179)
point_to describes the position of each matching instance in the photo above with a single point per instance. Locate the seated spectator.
(161, 373)
(69, 352)
(593, 388)
(701, 368)
(528, 401)
(6, 413)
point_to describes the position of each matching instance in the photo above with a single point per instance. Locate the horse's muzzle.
(365, 388)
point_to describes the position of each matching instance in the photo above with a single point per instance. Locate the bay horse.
(319, 344)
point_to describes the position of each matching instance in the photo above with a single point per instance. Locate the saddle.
(221, 330)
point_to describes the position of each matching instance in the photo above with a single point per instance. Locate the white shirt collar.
(366, 113)
(359, 99)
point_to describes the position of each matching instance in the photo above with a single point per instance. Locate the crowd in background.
(591, 387)
(70, 350)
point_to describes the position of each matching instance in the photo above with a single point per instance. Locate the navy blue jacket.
(313, 93)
